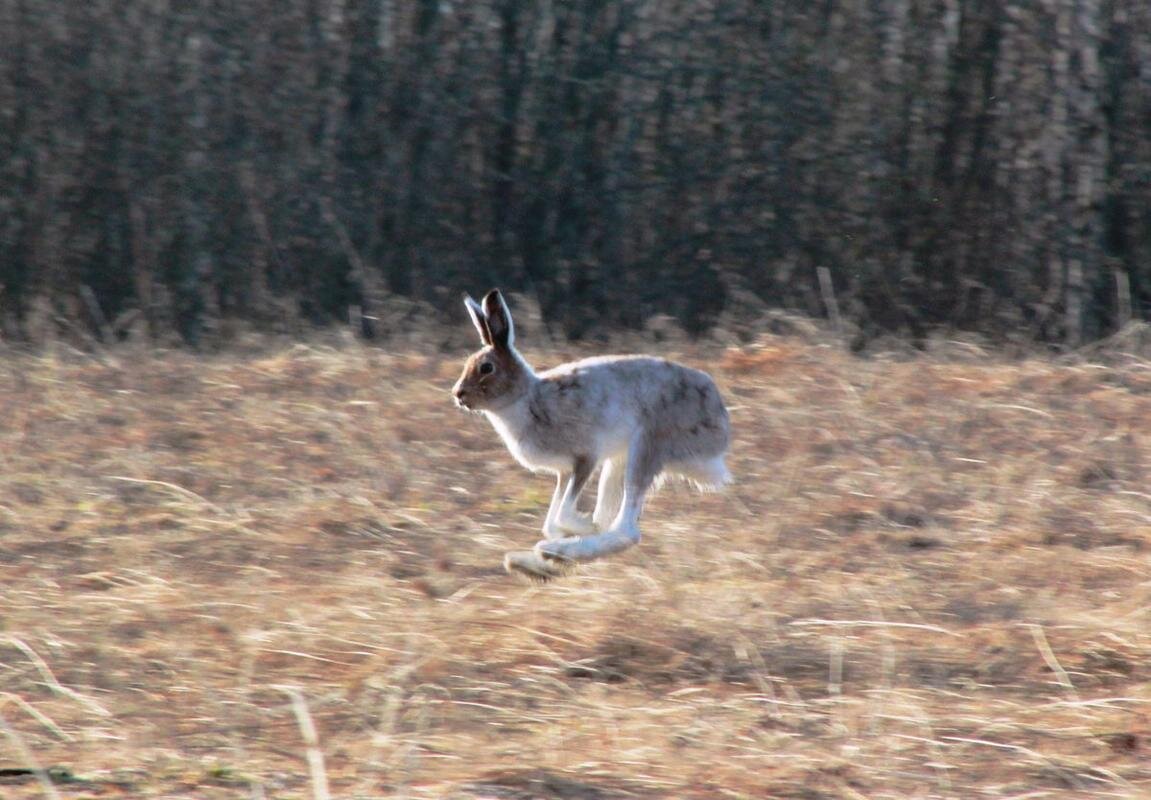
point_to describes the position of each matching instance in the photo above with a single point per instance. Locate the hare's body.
(639, 417)
(598, 406)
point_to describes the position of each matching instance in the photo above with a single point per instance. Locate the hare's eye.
(487, 368)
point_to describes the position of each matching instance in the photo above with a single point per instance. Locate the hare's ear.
(503, 331)
(479, 319)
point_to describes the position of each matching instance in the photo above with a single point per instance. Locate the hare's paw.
(552, 530)
(561, 552)
(572, 549)
(531, 565)
(567, 527)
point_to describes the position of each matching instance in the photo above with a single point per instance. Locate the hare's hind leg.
(642, 467)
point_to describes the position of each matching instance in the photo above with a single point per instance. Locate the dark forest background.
(171, 168)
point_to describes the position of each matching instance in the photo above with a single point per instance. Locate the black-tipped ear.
(479, 319)
(499, 320)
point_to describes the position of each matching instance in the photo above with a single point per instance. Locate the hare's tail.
(706, 474)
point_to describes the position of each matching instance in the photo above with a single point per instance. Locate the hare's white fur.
(641, 418)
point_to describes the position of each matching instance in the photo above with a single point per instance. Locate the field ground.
(931, 579)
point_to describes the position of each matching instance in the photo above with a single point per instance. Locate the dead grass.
(931, 580)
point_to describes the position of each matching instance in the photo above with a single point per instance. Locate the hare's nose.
(459, 392)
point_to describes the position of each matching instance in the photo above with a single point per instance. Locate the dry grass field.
(277, 575)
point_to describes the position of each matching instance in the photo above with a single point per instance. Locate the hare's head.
(495, 376)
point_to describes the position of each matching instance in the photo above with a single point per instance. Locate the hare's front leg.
(609, 495)
(563, 518)
(562, 521)
(639, 472)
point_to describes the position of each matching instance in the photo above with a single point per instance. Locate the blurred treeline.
(171, 167)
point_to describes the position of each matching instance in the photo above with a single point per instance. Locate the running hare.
(640, 417)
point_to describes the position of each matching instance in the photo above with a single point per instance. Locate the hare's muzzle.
(461, 396)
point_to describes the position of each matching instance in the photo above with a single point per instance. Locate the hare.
(641, 418)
